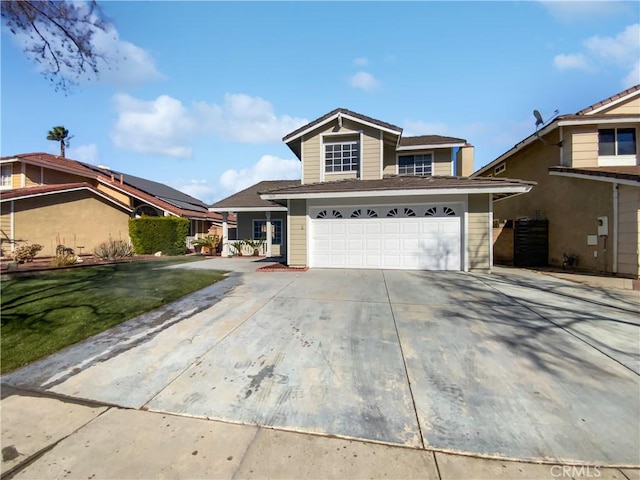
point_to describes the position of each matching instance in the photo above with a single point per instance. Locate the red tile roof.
(68, 165)
(38, 190)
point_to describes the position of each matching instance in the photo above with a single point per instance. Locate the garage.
(407, 237)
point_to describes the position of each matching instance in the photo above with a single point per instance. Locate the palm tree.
(60, 134)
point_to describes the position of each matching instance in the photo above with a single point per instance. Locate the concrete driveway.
(511, 364)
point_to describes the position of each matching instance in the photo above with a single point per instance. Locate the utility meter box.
(603, 226)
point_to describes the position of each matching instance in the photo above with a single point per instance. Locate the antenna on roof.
(539, 122)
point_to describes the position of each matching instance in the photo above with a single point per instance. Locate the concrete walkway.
(439, 363)
(102, 442)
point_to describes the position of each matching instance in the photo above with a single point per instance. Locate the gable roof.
(338, 112)
(249, 198)
(157, 194)
(394, 185)
(610, 101)
(156, 189)
(589, 115)
(55, 189)
(55, 162)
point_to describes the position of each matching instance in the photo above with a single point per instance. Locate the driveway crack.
(404, 361)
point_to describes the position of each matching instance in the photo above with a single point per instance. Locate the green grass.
(45, 312)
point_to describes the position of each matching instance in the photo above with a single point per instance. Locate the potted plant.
(237, 246)
(207, 244)
(255, 246)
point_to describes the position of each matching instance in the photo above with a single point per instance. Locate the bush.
(112, 249)
(237, 246)
(26, 253)
(165, 234)
(64, 259)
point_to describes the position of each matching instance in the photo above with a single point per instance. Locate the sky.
(198, 95)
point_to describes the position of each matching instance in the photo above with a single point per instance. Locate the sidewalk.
(49, 438)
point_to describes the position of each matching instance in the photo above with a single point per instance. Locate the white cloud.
(578, 11)
(159, 127)
(573, 61)
(633, 78)
(119, 62)
(620, 51)
(200, 189)
(361, 61)
(364, 81)
(267, 168)
(126, 63)
(245, 119)
(85, 153)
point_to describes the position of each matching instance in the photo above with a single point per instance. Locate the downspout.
(614, 268)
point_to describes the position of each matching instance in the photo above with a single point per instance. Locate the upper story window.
(419, 164)
(6, 171)
(342, 156)
(616, 141)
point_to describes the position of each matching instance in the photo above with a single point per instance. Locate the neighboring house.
(587, 171)
(52, 200)
(370, 198)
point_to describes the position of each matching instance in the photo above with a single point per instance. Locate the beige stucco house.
(52, 200)
(371, 198)
(586, 166)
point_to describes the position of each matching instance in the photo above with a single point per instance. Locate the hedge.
(159, 234)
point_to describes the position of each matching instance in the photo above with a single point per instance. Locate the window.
(415, 164)
(260, 231)
(5, 176)
(500, 168)
(342, 156)
(616, 141)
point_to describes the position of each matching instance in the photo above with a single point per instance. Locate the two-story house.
(586, 166)
(52, 200)
(371, 198)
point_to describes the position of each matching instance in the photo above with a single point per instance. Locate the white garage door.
(408, 238)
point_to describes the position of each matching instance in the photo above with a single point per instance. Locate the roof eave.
(431, 145)
(402, 192)
(247, 209)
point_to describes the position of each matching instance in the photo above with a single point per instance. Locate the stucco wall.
(73, 219)
(479, 238)
(297, 254)
(571, 206)
(628, 236)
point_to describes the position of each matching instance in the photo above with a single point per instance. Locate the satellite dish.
(539, 120)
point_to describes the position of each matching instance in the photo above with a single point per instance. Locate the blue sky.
(198, 95)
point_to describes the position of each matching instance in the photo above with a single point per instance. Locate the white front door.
(395, 237)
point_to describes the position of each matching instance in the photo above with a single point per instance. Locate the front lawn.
(45, 312)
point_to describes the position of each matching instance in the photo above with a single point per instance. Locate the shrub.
(64, 259)
(237, 245)
(164, 234)
(61, 250)
(112, 249)
(254, 245)
(26, 253)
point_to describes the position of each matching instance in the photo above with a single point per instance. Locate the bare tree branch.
(58, 35)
